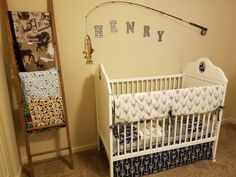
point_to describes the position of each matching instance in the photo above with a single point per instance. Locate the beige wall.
(127, 55)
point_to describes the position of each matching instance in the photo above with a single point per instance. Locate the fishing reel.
(204, 31)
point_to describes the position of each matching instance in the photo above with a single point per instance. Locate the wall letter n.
(130, 27)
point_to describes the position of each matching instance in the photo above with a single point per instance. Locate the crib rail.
(146, 84)
(147, 136)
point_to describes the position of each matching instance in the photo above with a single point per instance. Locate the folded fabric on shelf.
(46, 112)
(40, 84)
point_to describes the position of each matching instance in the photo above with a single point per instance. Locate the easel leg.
(29, 156)
(69, 145)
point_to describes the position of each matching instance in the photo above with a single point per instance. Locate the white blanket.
(149, 105)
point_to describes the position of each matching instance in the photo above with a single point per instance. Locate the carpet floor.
(94, 163)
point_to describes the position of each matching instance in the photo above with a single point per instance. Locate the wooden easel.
(19, 96)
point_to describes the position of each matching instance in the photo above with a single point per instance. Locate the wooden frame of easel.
(19, 96)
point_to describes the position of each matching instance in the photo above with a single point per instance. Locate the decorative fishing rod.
(88, 47)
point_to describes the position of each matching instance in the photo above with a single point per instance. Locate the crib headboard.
(203, 72)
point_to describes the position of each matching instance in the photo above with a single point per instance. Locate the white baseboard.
(54, 155)
(229, 120)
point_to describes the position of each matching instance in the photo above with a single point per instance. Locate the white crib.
(140, 138)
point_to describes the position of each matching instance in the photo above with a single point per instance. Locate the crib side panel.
(161, 134)
(103, 107)
(146, 84)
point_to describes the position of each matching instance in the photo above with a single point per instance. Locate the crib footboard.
(103, 108)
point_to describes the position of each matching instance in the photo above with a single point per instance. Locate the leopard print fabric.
(46, 112)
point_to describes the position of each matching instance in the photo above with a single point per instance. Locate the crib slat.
(192, 127)
(151, 85)
(151, 135)
(118, 139)
(175, 126)
(146, 85)
(112, 88)
(169, 84)
(125, 139)
(116, 88)
(156, 82)
(186, 130)
(131, 88)
(132, 136)
(180, 132)
(172, 82)
(136, 86)
(160, 84)
(168, 137)
(179, 80)
(165, 83)
(142, 86)
(208, 122)
(122, 89)
(127, 87)
(203, 125)
(213, 124)
(138, 136)
(157, 125)
(198, 119)
(144, 145)
(163, 134)
(174, 87)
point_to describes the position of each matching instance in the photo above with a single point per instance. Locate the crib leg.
(215, 143)
(111, 169)
(214, 148)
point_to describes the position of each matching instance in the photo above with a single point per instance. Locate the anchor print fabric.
(46, 112)
(161, 161)
(121, 135)
(149, 105)
(33, 35)
(40, 84)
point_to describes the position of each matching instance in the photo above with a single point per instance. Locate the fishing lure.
(88, 50)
